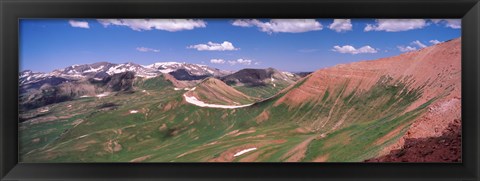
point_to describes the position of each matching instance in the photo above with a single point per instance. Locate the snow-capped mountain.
(103, 69)
(140, 71)
(193, 69)
(30, 76)
(38, 89)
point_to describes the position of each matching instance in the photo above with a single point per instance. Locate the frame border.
(11, 11)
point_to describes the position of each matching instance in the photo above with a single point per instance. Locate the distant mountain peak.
(102, 69)
(162, 64)
(192, 69)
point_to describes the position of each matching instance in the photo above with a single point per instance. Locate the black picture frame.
(12, 10)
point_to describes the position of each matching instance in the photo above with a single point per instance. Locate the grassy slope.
(262, 92)
(168, 129)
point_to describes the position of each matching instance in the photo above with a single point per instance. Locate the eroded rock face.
(121, 81)
(445, 148)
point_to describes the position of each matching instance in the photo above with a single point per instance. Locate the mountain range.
(103, 69)
(400, 108)
(39, 89)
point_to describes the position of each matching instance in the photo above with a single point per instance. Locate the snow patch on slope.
(244, 151)
(193, 100)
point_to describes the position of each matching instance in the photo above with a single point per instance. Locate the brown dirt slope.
(443, 113)
(179, 83)
(439, 65)
(435, 69)
(214, 91)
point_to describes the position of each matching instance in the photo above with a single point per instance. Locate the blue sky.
(288, 45)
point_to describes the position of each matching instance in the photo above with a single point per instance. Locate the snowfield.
(133, 111)
(193, 100)
(244, 151)
(94, 70)
(166, 71)
(44, 110)
(288, 74)
(102, 94)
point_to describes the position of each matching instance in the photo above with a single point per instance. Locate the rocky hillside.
(415, 95)
(214, 91)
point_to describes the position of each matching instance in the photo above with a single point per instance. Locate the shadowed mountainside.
(260, 83)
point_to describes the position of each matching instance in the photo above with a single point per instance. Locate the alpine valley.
(403, 108)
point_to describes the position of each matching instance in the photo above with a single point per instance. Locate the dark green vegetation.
(262, 91)
(260, 83)
(155, 124)
(156, 83)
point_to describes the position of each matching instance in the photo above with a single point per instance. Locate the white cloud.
(406, 48)
(281, 25)
(217, 61)
(145, 49)
(415, 44)
(352, 50)
(450, 23)
(419, 44)
(340, 25)
(210, 46)
(240, 61)
(79, 24)
(454, 23)
(171, 25)
(245, 22)
(396, 25)
(434, 42)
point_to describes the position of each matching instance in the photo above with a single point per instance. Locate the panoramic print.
(239, 90)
